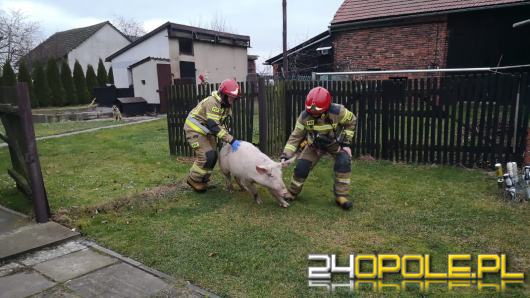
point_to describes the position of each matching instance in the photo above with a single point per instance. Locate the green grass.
(54, 128)
(234, 247)
(97, 167)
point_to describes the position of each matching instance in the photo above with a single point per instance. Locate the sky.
(260, 19)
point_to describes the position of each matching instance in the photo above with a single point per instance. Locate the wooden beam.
(4, 138)
(22, 183)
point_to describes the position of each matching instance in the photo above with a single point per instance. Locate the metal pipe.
(522, 23)
(476, 69)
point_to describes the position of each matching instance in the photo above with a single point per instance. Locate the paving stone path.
(81, 268)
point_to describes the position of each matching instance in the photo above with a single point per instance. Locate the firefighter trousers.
(205, 149)
(309, 158)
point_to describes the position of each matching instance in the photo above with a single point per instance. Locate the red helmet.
(317, 101)
(229, 88)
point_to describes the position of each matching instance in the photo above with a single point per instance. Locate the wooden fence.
(15, 115)
(184, 97)
(470, 120)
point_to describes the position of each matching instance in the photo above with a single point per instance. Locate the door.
(164, 80)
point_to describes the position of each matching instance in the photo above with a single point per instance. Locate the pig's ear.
(263, 169)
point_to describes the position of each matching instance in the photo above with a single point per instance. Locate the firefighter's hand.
(283, 157)
(346, 149)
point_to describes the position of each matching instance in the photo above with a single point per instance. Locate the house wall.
(147, 72)
(409, 46)
(220, 62)
(102, 44)
(155, 46)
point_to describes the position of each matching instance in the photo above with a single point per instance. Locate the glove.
(283, 157)
(235, 145)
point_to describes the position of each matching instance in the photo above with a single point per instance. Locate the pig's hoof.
(258, 200)
(284, 204)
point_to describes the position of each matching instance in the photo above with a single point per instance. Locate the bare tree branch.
(217, 23)
(129, 27)
(18, 35)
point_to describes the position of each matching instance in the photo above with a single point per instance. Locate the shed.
(132, 106)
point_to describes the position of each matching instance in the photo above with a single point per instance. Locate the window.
(185, 46)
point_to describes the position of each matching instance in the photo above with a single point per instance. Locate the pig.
(248, 165)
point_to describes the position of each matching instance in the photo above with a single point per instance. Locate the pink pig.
(248, 165)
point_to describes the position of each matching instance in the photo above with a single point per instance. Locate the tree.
(17, 35)
(91, 80)
(129, 27)
(54, 81)
(25, 77)
(80, 84)
(40, 84)
(111, 76)
(8, 78)
(68, 84)
(102, 74)
(217, 23)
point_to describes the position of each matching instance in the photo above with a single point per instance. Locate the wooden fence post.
(40, 200)
(387, 90)
(262, 115)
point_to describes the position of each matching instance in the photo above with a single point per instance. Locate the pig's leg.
(239, 183)
(228, 180)
(251, 188)
(279, 198)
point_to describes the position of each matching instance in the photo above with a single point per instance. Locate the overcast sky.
(260, 19)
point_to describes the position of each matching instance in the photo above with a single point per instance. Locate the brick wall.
(411, 46)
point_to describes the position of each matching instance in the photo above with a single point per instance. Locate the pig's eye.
(270, 175)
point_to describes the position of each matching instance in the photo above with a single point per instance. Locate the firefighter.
(204, 125)
(327, 128)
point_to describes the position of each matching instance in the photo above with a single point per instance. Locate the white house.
(86, 45)
(174, 52)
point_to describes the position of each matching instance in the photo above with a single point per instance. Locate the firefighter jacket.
(208, 117)
(335, 126)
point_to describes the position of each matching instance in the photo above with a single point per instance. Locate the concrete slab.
(9, 268)
(10, 220)
(23, 284)
(52, 252)
(31, 237)
(119, 280)
(73, 265)
(56, 292)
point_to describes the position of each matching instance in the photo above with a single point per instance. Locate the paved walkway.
(81, 268)
(92, 129)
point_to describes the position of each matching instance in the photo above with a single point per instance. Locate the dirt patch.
(366, 158)
(68, 216)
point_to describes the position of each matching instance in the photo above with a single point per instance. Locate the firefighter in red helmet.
(204, 125)
(328, 128)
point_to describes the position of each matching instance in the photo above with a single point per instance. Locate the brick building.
(419, 34)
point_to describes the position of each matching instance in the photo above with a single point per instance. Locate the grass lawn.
(233, 247)
(54, 128)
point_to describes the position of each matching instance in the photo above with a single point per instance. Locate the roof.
(196, 33)
(145, 60)
(361, 10)
(128, 100)
(61, 43)
(312, 41)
